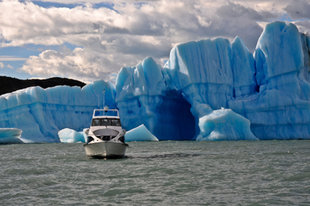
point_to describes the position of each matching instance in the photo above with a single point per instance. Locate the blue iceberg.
(267, 93)
(68, 135)
(280, 108)
(41, 113)
(210, 73)
(10, 136)
(212, 89)
(143, 97)
(140, 133)
(224, 124)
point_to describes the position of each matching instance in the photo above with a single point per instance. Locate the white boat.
(105, 137)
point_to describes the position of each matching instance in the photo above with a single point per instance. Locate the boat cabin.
(102, 121)
(106, 117)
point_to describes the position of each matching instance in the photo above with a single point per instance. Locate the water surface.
(158, 173)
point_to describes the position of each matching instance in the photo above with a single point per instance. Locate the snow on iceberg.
(10, 136)
(140, 133)
(224, 124)
(41, 113)
(68, 135)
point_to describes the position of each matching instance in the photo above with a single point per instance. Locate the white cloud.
(9, 66)
(3, 66)
(80, 64)
(301, 9)
(11, 58)
(23, 23)
(109, 39)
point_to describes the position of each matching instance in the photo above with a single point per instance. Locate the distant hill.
(10, 84)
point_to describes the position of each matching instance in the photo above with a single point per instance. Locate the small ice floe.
(224, 124)
(140, 133)
(70, 136)
(10, 136)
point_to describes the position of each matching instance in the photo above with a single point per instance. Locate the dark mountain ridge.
(11, 84)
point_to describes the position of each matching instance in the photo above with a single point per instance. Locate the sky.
(92, 39)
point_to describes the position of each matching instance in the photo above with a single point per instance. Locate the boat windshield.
(105, 122)
(105, 113)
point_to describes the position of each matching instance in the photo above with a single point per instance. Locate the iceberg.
(10, 136)
(210, 73)
(265, 93)
(140, 133)
(68, 135)
(212, 89)
(281, 107)
(41, 113)
(142, 97)
(224, 124)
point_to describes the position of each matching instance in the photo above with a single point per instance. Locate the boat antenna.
(103, 98)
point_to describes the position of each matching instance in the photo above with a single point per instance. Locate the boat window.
(96, 122)
(105, 122)
(105, 113)
(115, 122)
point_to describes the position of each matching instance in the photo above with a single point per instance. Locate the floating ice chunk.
(224, 124)
(10, 136)
(140, 133)
(70, 136)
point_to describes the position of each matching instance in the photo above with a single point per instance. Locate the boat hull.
(105, 149)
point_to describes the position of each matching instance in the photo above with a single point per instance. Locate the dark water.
(158, 173)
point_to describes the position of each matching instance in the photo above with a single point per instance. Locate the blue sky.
(90, 40)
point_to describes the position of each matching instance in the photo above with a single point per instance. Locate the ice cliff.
(281, 107)
(41, 113)
(211, 89)
(143, 97)
(230, 92)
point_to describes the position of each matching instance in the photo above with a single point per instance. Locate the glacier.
(212, 89)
